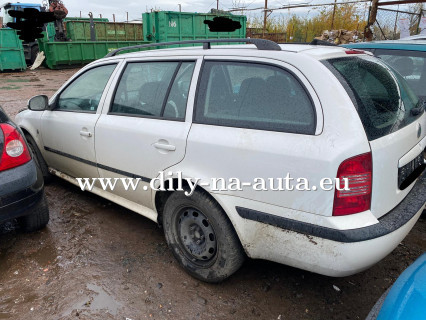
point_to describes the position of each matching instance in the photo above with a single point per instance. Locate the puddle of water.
(103, 301)
(45, 255)
(99, 300)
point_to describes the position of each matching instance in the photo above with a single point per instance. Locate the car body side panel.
(247, 154)
(29, 121)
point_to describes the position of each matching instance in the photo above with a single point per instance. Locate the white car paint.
(206, 151)
(418, 37)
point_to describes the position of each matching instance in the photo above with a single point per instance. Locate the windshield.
(381, 96)
(411, 65)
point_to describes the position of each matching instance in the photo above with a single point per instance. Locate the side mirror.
(38, 103)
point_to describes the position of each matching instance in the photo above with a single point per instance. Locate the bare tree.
(237, 4)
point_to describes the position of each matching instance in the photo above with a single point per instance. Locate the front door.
(68, 130)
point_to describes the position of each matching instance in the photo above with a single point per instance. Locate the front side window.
(85, 92)
(411, 65)
(253, 96)
(154, 89)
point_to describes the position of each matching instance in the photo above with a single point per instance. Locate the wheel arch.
(161, 197)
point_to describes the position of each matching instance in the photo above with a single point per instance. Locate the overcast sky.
(135, 8)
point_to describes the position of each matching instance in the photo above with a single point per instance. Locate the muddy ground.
(96, 260)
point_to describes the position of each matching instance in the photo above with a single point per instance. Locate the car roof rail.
(261, 44)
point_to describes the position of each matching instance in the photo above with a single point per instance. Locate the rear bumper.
(329, 251)
(21, 189)
(388, 223)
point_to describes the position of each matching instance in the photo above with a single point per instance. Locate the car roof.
(317, 52)
(413, 45)
(416, 37)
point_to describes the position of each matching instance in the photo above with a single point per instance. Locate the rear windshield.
(381, 96)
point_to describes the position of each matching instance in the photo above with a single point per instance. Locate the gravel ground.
(96, 260)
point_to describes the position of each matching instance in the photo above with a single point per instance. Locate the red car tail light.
(358, 170)
(354, 51)
(15, 151)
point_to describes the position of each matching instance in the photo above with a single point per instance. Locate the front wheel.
(201, 237)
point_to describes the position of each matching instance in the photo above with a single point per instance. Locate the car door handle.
(85, 134)
(167, 147)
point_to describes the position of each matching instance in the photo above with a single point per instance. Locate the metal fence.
(387, 25)
(279, 37)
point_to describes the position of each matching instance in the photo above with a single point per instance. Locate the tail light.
(358, 171)
(15, 151)
(354, 51)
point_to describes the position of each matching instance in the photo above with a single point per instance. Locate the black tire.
(201, 237)
(37, 218)
(38, 157)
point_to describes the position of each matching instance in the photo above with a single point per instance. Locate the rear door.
(394, 122)
(144, 129)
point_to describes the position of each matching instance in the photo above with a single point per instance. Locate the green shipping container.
(63, 54)
(50, 27)
(11, 51)
(50, 30)
(85, 19)
(105, 31)
(166, 26)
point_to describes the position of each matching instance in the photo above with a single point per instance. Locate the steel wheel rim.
(196, 236)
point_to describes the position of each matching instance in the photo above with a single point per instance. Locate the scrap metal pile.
(340, 36)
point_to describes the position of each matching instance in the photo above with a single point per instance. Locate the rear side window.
(381, 96)
(411, 65)
(253, 96)
(154, 89)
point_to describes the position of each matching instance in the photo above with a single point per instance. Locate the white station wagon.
(246, 113)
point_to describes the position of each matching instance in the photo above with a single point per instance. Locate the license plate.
(411, 171)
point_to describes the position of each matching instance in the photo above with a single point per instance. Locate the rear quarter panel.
(223, 152)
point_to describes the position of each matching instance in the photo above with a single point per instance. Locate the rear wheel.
(201, 237)
(37, 217)
(39, 158)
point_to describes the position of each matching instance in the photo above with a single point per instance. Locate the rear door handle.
(85, 134)
(167, 147)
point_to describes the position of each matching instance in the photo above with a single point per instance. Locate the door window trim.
(54, 105)
(233, 60)
(123, 70)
